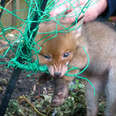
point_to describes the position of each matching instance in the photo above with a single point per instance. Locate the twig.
(34, 108)
(7, 3)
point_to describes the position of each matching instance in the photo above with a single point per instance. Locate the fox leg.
(61, 90)
(91, 100)
(111, 93)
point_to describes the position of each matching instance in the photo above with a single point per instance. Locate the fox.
(63, 48)
(66, 48)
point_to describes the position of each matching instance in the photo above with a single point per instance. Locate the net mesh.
(15, 42)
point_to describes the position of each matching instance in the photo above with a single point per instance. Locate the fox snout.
(57, 71)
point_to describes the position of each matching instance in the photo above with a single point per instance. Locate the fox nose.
(57, 74)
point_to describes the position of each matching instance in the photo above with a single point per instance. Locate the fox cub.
(67, 49)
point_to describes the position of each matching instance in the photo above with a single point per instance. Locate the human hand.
(72, 8)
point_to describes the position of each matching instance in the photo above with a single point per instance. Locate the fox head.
(57, 52)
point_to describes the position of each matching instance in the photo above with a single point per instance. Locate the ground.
(32, 95)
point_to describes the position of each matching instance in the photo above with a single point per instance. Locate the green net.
(15, 42)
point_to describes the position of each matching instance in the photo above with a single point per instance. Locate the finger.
(94, 10)
(60, 6)
(89, 16)
(72, 16)
(89, 12)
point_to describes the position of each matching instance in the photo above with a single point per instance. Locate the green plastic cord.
(32, 6)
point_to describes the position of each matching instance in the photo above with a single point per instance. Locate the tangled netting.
(15, 42)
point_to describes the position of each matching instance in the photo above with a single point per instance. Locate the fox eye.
(66, 54)
(47, 57)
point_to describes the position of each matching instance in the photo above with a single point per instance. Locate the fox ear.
(78, 25)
